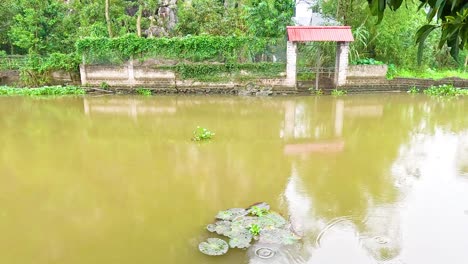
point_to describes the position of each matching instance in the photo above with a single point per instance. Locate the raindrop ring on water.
(264, 253)
(381, 240)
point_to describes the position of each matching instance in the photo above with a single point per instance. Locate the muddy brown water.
(364, 179)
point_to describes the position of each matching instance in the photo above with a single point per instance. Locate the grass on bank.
(431, 74)
(42, 91)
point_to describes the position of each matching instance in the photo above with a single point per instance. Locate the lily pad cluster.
(242, 227)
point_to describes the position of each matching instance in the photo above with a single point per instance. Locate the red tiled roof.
(320, 33)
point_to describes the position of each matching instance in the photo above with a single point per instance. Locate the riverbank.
(249, 90)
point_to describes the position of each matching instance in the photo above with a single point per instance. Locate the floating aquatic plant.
(241, 226)
(214, 247)
(201, 134)
(258, 211)
(278, 236)
(259, 206)
(255, 229)
(240, 239)
(231, 214)
(220, 227)
(272, 220)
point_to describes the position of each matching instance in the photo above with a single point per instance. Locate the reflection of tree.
(119, 180)
(348, 183)
(359, 181)
(104, 182)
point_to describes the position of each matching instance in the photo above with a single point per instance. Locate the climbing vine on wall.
(228, 49)
(203, 70)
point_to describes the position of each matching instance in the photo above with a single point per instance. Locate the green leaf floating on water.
(240, 239)
(259, 209)
(220, 227)
(278, 236)
(244, 222)
(272, 220)
(214, 247)
(231, 214)
(241, 226)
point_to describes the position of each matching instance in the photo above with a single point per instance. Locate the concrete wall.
(9, 77)
(131, 76)
(12, 78)
(126, 76)
(374, 71)
(360, 85)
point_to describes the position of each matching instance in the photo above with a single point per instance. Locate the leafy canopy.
(451, 16)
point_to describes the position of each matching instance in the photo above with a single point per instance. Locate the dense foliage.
(391, 40)
(42, 91)
(195, 48)
(53, 34)
(451, 16)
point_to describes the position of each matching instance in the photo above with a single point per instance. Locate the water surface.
(365, 179)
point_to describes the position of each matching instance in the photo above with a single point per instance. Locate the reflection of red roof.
(317, 33)
(318, 147)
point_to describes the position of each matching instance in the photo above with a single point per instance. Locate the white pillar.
(291, 58)
(341, 63)
(83, 71)
(131, 73)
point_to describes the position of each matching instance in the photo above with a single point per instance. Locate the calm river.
(365, 179)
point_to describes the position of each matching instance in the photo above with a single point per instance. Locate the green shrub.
(143, 91)
(42, 91)
(445, 90)
(36, 69)
(368, 61)
(104, 85)
(337, 92)
(413, 90)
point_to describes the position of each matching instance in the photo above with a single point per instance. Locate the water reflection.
(364, 179)
(376, 234)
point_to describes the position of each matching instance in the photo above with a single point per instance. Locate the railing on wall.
(12, 62)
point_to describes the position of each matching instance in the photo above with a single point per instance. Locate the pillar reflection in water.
(375, 236)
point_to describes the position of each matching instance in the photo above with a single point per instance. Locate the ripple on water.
(344, 220)
(380, 243)
(265, 253)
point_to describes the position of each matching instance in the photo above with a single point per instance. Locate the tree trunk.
(138, 22)
(466, 62)
(108, 21)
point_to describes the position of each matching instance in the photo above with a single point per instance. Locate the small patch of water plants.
(242, 227)
(42, 91)
(104, 86)
(314, 91)
(445, 90)
(214, 247)
(143, 91)
(413, 90)
(337, 92)
(202, 134)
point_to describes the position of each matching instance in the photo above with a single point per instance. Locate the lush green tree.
(91, 19)
(450, 16)
(269, 18)
(392, 40)
(8, 10)
(41, 26)
(211, 17)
